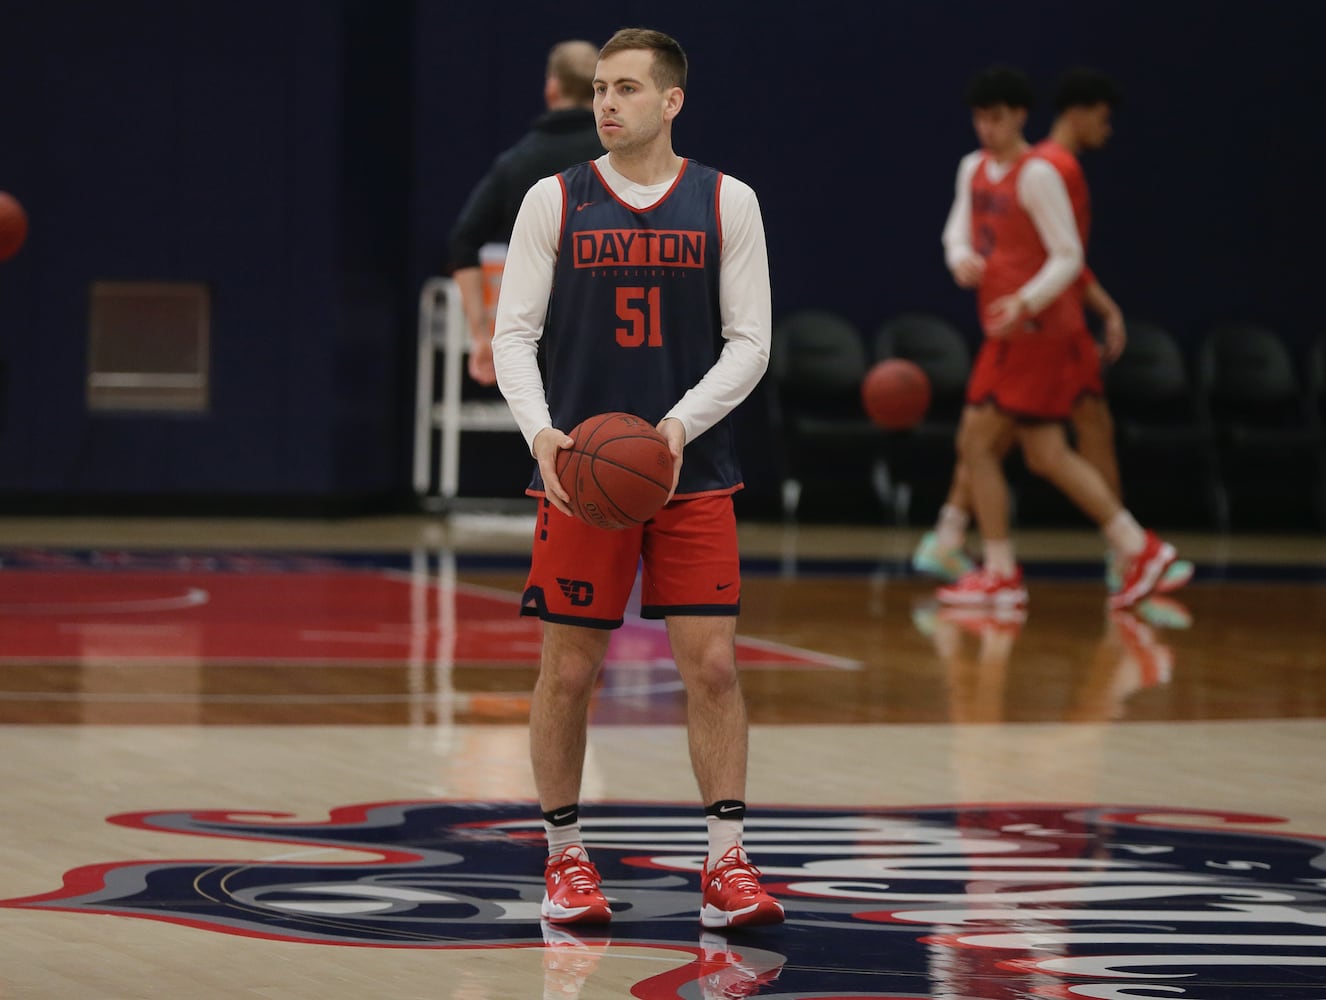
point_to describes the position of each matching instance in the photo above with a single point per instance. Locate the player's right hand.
(548, 444)
(970, 271)
(1006, 314)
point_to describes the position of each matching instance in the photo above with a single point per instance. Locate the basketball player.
(1023, 255)
(563, 135)
(1084, 103)
(652, 273)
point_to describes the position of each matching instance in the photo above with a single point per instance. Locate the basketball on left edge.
(896, 394)
(13, 225)
(618, 472)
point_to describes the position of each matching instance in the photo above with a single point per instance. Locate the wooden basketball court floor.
(287, 759)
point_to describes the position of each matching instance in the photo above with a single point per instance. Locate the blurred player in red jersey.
(1012, 235)
(1084, 102)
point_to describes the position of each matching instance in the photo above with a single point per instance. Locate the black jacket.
(556, 140)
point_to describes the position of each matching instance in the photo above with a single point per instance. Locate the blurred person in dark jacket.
(564, 135)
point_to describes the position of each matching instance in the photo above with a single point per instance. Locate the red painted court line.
(319, 616)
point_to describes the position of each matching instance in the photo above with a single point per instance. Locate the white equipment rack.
(440, 414)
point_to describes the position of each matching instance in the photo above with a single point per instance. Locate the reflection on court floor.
(304, 774)
(948, 901)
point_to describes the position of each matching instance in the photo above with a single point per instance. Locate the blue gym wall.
(306, 158)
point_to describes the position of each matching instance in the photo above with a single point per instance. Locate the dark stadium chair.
(1268, 432)
(827, 444)
(1316, 368)
(919, 462)
(1165, 440)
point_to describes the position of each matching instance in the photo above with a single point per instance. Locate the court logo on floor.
(1036, 901)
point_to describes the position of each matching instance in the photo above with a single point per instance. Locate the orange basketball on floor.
(896, 394)
(13, 225)
(618, 472)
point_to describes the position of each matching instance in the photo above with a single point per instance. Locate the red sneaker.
(1144, 572)
(732, 894)
(985, 588)
(1176, 575)
(573, 895)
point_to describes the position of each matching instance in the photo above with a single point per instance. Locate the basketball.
(896, 394)
(618, 472)
(13, 225)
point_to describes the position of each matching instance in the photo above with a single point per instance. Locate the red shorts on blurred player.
(1091, 381)
(687, 555)
(1031, 376)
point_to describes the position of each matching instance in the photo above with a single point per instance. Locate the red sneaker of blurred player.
(1143, 572)
(985, 588)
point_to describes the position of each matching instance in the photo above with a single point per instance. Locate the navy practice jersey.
(633, 319)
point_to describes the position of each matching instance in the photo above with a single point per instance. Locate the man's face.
(1093, 125)
(999, 127)
(629, 108)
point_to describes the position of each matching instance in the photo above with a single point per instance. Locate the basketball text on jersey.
(639, 248)
(995, 202)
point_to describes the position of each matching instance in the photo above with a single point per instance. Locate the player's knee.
(972, 444)
(710, 674)
(570, 678)
(1096, 426)
(570, 669)
(1044, 459)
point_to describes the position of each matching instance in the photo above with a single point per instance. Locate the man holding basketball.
(645, 276)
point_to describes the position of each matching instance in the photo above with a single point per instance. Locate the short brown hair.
(572, 64)
(669, 68)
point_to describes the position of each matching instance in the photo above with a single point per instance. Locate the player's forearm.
(523, 305)
(1099, 301)
(1052, 280)
(515, 361)
(1042, 193)
(469, 281)
(733, 377)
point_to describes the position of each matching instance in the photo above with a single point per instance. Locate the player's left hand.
(1005, 315)
(970, 271)
(1116, 337)
(675, 434)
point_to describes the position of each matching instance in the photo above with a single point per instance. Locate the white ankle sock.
(562, 837)
(951, 528)
(1124, 534)
(724, 834)
(998, 555)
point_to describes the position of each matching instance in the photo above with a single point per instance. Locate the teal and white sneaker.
(1163, 612)
(931, 559)
(925, 617)
(1176, 574)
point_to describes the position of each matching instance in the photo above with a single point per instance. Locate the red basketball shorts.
(1090, 379)
(1032, 376)
(686, 556)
